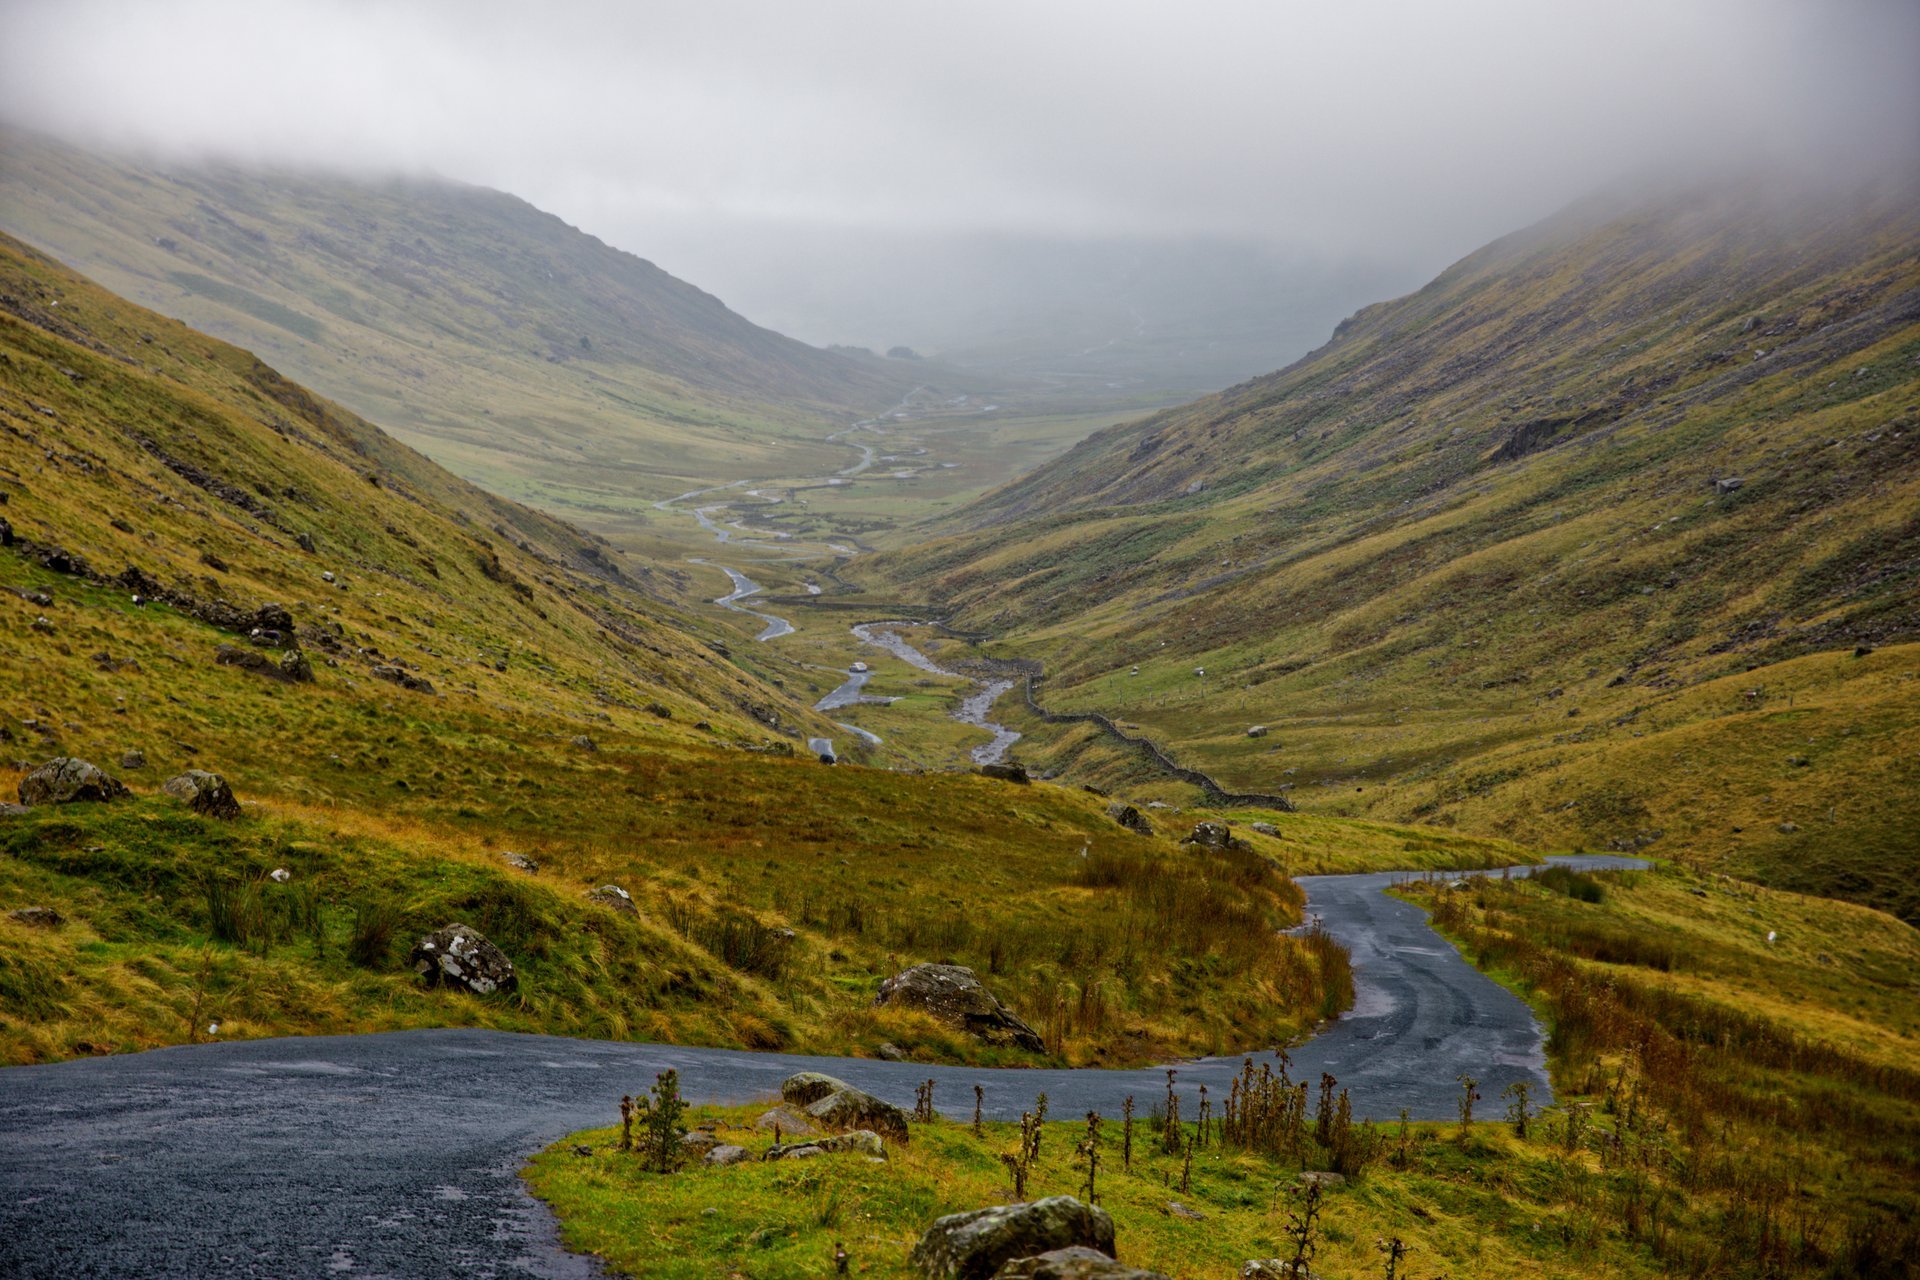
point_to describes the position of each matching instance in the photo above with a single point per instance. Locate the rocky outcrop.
(835, 1105)
(975, 1245)
(1130, 818)
(954, 994)
(204, 793)
(1005, 772)
(69, 780)
(1075, 1262)
(458, 956)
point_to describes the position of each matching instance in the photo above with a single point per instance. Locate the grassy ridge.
(1471, 564)
(518, 351)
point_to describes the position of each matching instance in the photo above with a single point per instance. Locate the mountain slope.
(203, 565)
(1573, 545)
(518, 351)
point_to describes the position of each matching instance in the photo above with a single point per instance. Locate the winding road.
(396, 1154)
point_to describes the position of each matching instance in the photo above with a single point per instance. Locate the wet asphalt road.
(396, 1155)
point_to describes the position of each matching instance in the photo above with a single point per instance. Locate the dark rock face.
(458, 956)
(954, 994)
(68, 780)
(1130, 818)
(974, 1246)
(836, 1105)
(203, 792)
(402, 677)
(1005, 772)
(291, 666)
(1075, 1262)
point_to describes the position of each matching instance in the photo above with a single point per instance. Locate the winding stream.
(972, 709)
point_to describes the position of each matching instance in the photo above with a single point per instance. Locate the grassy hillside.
(518, 351)
(1725, 1106)
(481, 679)
(1574, 546)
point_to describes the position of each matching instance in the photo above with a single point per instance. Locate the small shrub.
(374, 927)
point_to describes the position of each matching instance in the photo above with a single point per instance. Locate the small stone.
(37, 917)
(720, 1157)
(280, 875)
(1129, 817)
(585, 743)
(1178, 1210)
(520, 862)
(134, 759)
(1257, 731)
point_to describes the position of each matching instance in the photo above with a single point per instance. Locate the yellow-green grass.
(1471, 549)
(1492, 1207)
(615, 746)
(1779, 1071)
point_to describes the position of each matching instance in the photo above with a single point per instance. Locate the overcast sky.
(1411, 128)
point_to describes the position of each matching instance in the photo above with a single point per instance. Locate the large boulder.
(204, 792)
(974, 1246)
(1214, 835)
(458, 956)
(1129, 817)
(1005, 772)
(954, 994)
(804, 1088)
(68, 780)
(1076, 1262)
(833, 1104)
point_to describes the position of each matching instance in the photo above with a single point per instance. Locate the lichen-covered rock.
(1129, 817)
(834, 1104)
(804, 1088)
(612, 895)
(204, 793)
(1214, 835)
(975, 1245)
(860, 1142)
(955, 995)
(787, 1122)
(1075, 1262)
(69, 780)
(458, 956)
(1273, 1269)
